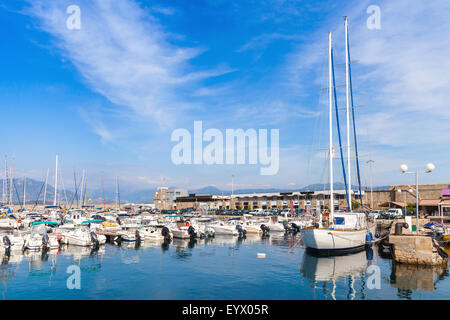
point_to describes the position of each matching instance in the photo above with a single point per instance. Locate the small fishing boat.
(8, 223)
(225, 229)
(129, 235)
(185, 230)
(154, 233)
(273, 225)
(39, 238)
(82, 236)
(12, 242)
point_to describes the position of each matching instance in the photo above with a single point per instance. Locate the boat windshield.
(38, 229)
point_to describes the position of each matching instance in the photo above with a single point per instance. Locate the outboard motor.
(287, 228)
(191, 232)
(166, 233)
(94, 239)
(138, 236)
(6, 242)
(295, 227)
(118, 221)
(265, 229)
(399, 226)
(45, 242)
(242, 231)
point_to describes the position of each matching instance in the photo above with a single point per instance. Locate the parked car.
(395, 213)
(375, 214)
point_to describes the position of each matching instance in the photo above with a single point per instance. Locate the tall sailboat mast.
(5, 181)
(11, 181)
(24, 191)
(56, 182)
(347, 94)
(117, 193)
(349, 74)
(103, 191)
(82, 187)
(330, 110)
(45, 189)
(85, 192)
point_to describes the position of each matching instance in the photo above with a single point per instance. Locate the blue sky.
(107, 97)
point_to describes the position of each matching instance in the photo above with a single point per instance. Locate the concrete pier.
(417, 249)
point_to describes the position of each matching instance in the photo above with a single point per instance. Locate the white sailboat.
(337, 232)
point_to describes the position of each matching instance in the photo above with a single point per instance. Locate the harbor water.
(276, 267)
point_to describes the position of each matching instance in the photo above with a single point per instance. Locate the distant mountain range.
(312, 187)
(35, 189)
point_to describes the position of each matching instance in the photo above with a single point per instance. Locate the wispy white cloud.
(123, 53)
(164, 10)
(263, 40)
(272, 112)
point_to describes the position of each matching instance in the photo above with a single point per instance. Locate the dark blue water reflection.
(221, 268)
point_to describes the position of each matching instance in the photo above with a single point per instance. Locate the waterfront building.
(431, 198)
(165, 198)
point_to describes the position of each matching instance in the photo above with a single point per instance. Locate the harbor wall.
(416, 249)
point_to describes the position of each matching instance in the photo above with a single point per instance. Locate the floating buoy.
(187, 223)
(261, 255)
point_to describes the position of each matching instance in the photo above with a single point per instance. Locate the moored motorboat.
(82, 236)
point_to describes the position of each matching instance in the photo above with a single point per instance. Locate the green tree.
(411, 207)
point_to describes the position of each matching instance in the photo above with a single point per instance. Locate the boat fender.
(187, 223)
(369, 237)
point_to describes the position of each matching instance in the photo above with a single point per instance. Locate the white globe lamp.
(404, 168)
(430, 167)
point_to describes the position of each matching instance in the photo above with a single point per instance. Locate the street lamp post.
(404, 169)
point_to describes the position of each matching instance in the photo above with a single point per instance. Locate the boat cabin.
(350, 220)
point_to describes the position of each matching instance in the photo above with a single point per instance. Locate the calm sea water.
(220, 268)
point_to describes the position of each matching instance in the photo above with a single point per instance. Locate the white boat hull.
(335, 240)
(225, 230)
(180, 233)
(274, 227)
